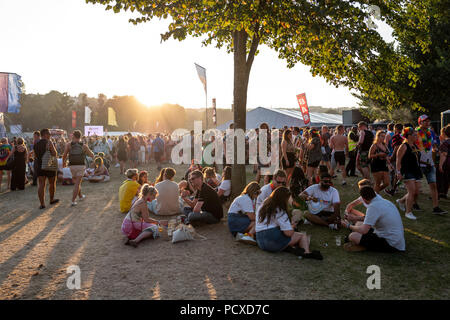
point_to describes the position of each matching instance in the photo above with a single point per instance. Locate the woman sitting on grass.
(224, 189)
(143, 178)
(274, 232)
(137, 224)
(100, 174)
(161, 176)
(210, 178)
(241, 215)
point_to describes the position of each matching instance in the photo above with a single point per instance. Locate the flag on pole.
(10, 91)
(301, 98)
(87, 115)
(2, 126)
(74, 119)
(112, 117)
(214, 111)
(201, 74)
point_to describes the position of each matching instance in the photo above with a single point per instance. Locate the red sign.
(74, 119)
(301, 98)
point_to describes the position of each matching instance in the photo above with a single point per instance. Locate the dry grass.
(36, 247)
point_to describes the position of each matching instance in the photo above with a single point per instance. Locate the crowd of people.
(302, 191)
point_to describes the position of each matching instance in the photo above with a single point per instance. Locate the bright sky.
(74, 47)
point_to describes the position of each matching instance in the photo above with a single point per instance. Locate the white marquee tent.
(279, 118)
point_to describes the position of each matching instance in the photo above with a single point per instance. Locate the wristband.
(349, 225)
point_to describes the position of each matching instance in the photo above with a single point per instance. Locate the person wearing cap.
(323, 203)
(425, 145)
(366, 138)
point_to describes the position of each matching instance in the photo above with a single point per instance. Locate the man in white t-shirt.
(167, 202)
(279, 179)
(382, 229)
(324, 208)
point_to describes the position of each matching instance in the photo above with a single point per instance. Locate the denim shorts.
(238, 222)
(429, 173)
(272, 240)
(412, 176)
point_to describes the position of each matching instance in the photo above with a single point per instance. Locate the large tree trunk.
(241, 77)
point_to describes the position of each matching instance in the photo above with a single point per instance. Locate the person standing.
(20, 163)
(352, 141)
(444, 161)
(77, 151)
(40, 148)
(408, 170)
(288, 158)
(396, 142)
(36, 138)
(425, 145)
(378, 154)
(339, 144)
(5, 153)
(122, 153)
(158, 149)
(326, 150)
(365, 142)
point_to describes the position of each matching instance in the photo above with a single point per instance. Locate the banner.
(10, 91)
(112, 117)
(87, 115)
(301, 98)
(93, 130)
(2, 126)
(201, 74)
(214, 111)
(74, 119)
(15, 128)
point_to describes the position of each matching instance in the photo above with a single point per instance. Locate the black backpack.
(76, 154)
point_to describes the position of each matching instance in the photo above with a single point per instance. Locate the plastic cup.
(338, 241)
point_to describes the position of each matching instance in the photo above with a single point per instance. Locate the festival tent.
(279, 118)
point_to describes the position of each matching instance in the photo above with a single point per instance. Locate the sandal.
(313, 255)
(42, 207)
(54, 201)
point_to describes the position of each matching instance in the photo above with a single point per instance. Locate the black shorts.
(45, 173)
(158, 156)
(324, 215)
(339, 157)
(4, 168)
(314, 164)
(372, 242)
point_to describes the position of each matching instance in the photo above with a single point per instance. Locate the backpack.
(76, 154)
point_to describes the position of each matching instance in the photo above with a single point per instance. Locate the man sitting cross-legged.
(382, 229)
(206, 206)
(323, 203)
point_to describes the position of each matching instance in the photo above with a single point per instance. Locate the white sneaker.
(409, 215)
(306, 221)
(401, 205)
(117, 165)
(83, 196)
(73, 204)
(247, 239)
(333, 226)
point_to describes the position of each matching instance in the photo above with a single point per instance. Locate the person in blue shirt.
(158, 149)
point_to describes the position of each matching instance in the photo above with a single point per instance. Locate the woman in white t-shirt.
(224, 189)
(241, 215)
(274, 231)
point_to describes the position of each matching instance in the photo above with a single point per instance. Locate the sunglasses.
(326, 181)
(281, 182)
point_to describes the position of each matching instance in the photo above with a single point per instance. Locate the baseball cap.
(422, 118)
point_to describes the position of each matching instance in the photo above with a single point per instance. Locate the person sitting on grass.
(352, 214)
(279, 179)
(206, 207)
(324, 203)
(241, 215)
(274, 231)
(224, 189)
(382, 229)
(167, 203)
(160, 176)
(128, 190)
(100, 174)
(137, 224)
(210, 177)
(143, 178)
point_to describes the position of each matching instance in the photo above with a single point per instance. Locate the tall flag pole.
(74, 119)
(112, 117)
(87, 115)
(10, 91)
(202, 75)
(301, 98)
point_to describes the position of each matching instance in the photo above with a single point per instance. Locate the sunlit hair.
(286, 136)
(130, 173)
(277, 200)
(98, 162)
(209, 173)
(161, 176)
(141, 177)
(377, 137)
(251, 188)
(147, 190)
(364, 183)
(226, 173)
(169, 173)
(20, 141)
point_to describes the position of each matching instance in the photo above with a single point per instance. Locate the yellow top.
(351, 144)
(127, 192)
